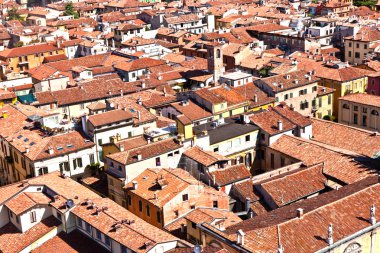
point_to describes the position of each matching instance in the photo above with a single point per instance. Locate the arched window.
(346, 106)
(374, 112)
(218, 53)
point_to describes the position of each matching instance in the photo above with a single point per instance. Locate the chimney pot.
(135, 184)
(299, 212)
(279, 125)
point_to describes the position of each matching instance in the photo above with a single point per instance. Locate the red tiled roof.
(110, 117)
(27, 50)
(230, 175)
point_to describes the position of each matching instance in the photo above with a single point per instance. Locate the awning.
(26, 99)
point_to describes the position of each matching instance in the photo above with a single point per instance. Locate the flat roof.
(236, 75)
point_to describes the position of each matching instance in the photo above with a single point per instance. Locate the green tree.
(368, 3)
(69, 10)
(18, 44)
(13, 15)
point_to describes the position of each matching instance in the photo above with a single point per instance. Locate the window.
(215, 204)
(158, 161)
(33, 216)
(100, 142)
(355, 108)
(129, 200)
(357, 45)
(107, 240)
(88, 227)
(329, 99)
(357, 55)
(43, 170)
(364, 110)
(282, 161)
(355, 118)
(158, 217)
(365, 46)
(350, 44)
(185, 197)
(10, 214)
(216, 149)
(15, 156)
(364, 120)
(346, 106)
(140, 206)
(79, 222)
(262, 136)
(82, 106)
(218, 53)
(349, 54)
(17, 219)
(247, 138)
(148, 210)
(374, 112)
(92, 158)
(98, 235)
(77, 163)
(64, 166)
(193, 225)
(286, 96)
(272, 161)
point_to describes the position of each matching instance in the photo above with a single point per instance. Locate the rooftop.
(232, 127)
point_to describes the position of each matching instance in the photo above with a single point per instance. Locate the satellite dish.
(69, 203)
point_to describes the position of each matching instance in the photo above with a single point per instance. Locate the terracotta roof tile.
(334, 134)
(147, 151)
(110, 117)
(295, 185)
(340, 164)
(204, 157)
(231, 174)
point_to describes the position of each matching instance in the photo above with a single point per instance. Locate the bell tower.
(215, 61)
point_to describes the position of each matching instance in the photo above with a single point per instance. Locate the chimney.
(135, 184)
(139, 115)
(372, 218)
(255, 98)
(148, 140)
(247, 204)
(26, 149)
(139, 157)
(279, 125)
(143, 85)
(139, 100)
(213, 180)
(299, 212)
(330, 235)
(287, 76)
(121, 92)
(50, 150)
(121, 148)
(109, 92)
(240, 237)
(155, 195)
(296, 81)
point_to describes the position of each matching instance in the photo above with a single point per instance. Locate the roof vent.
(287, 76)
